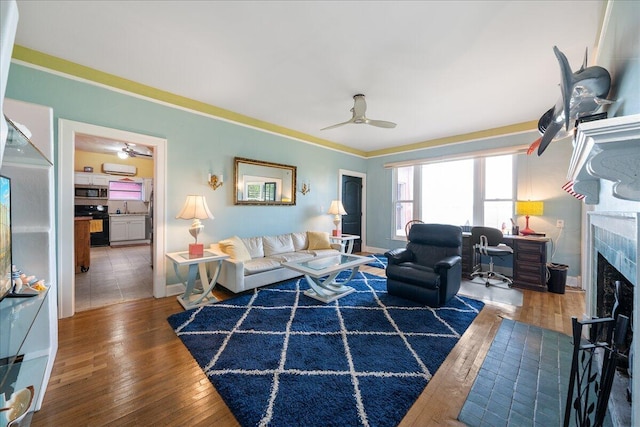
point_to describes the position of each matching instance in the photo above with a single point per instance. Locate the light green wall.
(197, 145)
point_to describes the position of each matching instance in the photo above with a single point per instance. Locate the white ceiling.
(436, 68)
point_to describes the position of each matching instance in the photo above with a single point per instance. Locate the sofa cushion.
(235, 248)
(293, 256)
(254, 246)
(318, 240)
(300, 241)
(324, 252)
(279, 244)
(258, 265)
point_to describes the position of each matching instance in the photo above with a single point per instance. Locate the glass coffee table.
(327, 289)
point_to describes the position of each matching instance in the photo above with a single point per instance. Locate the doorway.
(352, 193)
(66, 174)
(112, 274)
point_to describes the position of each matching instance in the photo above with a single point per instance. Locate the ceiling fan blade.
(338, 125)
(381, 123)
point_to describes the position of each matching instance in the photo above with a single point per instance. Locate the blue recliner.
(429, 269)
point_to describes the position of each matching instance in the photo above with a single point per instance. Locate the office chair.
(486, 241)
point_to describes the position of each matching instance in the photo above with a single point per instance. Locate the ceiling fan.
(358, 110)
(130, 152)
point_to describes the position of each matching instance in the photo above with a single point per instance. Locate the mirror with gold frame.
(264, 183)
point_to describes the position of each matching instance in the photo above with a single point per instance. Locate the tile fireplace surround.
(615, 236)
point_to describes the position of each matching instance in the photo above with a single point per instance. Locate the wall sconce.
(337, 209)
(529, 208)
(306, 188)
(215, 181)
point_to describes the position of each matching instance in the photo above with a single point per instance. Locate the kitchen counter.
(127, 228)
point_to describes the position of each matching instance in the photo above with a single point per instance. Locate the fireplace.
(612, 249)
(614, 290)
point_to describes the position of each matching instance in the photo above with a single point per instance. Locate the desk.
(195, 297)
(346, 241)
(529, 260)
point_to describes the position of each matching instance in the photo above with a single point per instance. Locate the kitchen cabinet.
(125, 228)
(29, 335)
(86, 178)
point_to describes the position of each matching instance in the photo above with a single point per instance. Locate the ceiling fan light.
(122, 154)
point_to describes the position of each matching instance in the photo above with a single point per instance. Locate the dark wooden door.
(352, 202)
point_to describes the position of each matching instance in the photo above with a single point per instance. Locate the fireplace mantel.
(607, 149)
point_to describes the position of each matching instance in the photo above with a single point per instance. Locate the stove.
(99, 237)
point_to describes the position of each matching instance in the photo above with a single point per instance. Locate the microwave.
(91, 192)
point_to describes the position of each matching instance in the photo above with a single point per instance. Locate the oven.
(99, 225)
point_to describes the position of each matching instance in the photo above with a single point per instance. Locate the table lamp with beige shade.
(337, 209)
(195, 208)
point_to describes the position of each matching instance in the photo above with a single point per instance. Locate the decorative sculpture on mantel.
(583, 92)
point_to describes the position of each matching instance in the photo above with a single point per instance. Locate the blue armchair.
(429, 269)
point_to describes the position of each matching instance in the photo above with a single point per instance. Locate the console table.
(193, 297)
(529, 260)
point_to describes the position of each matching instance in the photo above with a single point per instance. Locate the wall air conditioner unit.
(116, 169)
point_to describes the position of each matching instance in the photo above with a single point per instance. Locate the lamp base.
(337, 233)
(196, 249)
(527, 232)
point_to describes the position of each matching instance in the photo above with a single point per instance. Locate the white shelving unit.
(29, 326)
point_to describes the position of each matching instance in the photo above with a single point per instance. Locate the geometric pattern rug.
(280, 358)
(379, 261)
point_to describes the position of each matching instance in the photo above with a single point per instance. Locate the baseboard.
(175, 289)
(573, 281)
(374, 250)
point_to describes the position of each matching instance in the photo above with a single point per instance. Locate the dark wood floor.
(123, 365)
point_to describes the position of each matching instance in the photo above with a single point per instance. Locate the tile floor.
(523, 381)
(116, 274)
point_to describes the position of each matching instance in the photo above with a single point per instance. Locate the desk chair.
(410, 224)
(486, 241)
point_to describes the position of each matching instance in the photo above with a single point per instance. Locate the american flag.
(568, 187)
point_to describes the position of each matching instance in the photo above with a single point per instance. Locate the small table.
(197, 264)
(327, 289)
(346, 241)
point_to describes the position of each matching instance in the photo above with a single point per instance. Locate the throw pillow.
(318, 240)
(234, 247)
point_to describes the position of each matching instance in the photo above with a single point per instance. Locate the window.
(404, 198)
(470, 191)
(125, 190)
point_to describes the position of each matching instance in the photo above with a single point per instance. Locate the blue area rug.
(379, 261)
(280, 358)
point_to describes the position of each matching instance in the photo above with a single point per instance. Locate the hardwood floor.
(123, 365)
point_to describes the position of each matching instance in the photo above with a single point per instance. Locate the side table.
(197, 264)
(346, 241)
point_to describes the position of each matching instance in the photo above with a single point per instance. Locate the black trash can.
(557, 278)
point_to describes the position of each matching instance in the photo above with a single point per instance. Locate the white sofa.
(257, 261)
